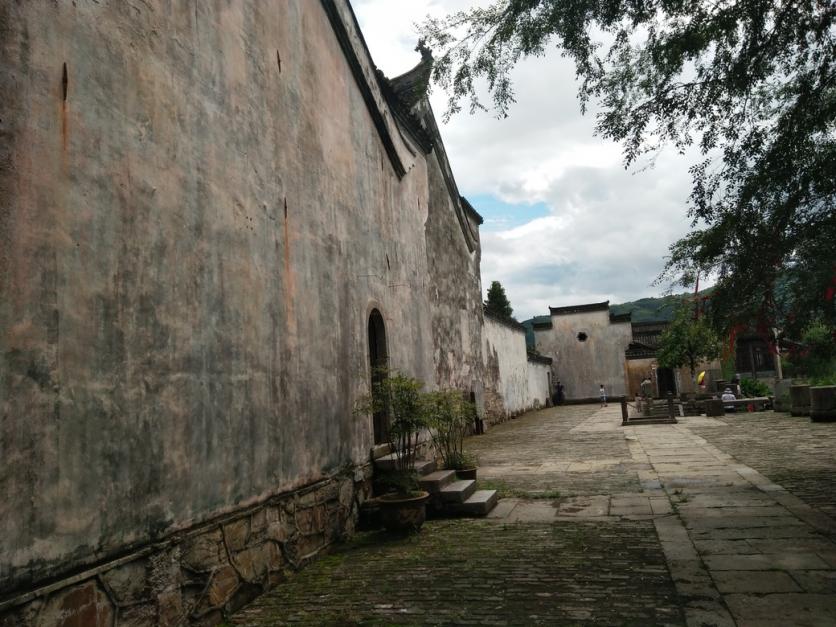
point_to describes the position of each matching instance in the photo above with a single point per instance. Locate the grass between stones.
(505, 491)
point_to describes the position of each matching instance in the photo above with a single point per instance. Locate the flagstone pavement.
(713, 521)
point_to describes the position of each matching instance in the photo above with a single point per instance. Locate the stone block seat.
(758, 403)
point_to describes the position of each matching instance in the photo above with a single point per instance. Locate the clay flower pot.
(403, 513)
(466, 473)
(823, 403)
(800, 400)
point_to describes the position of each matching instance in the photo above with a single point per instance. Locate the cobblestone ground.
(793, 452)
(555, 450)
(468, 572)
(708, 522)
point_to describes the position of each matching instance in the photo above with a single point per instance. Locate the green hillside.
(646, 309)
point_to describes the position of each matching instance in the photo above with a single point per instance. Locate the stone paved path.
(651, 525)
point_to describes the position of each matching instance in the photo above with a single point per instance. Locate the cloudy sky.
(565, 223)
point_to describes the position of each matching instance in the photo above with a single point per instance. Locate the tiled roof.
(573, 309)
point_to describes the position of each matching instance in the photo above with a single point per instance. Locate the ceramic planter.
(466, 473)
(823, 403)
(800, 400)
(403, 513)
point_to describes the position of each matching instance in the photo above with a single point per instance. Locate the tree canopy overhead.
(748, 84)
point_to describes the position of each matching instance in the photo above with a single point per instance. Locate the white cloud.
(609, 229)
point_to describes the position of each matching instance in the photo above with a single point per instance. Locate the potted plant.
(403, 506)
(449, 415)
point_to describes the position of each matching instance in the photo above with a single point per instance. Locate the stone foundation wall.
(201, 575)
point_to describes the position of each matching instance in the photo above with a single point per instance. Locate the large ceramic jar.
(403, 513)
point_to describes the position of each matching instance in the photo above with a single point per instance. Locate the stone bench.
(759, 403)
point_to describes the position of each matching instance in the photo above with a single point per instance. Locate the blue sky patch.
(501, 216)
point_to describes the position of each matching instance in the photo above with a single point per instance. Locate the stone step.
(435, 481)
(649, 421)
(479, 504)
(389, 462)
(458, 491)
(424, 466)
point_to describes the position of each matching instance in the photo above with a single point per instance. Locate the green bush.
(818, 358)
(450, 416)
(402, 398)
(753, 387)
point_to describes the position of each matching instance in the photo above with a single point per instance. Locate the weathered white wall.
(505, 355)
(197, 214)
(538, 384)
(513, 384)
(583, 366)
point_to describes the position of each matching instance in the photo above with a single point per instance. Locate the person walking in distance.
(603, 393)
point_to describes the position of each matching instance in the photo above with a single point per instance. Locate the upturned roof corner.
(412, 86)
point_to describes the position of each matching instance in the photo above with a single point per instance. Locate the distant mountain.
(647, 309)
(653, 309)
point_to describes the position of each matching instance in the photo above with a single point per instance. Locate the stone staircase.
(449, 496)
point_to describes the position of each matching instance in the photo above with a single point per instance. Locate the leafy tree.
(687, 341)
(497, 303)
(817, 355)
(750, 84)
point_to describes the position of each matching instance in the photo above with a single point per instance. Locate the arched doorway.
(378, 359)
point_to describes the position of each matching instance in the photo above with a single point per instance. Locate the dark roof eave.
(513, 324)
(469, 208)
(572, 309)
(617, 318)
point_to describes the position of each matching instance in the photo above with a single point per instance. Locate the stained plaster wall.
(537, 375)
(582, 366)
(195, 224)
(455, 293)
(513, 384)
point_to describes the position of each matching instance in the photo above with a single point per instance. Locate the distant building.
(587, 345)
(590, 346)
